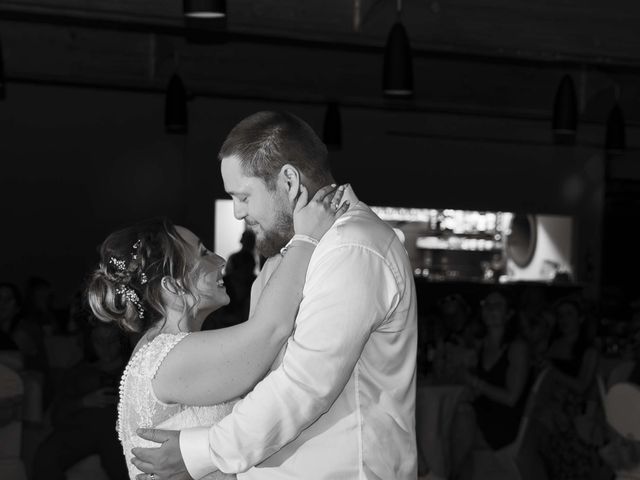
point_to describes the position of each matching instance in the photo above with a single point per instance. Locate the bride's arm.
(215, 366)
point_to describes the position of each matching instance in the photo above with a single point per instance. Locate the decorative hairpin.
(135, 249)
(130, 294)
(120, 265)
(143, 276)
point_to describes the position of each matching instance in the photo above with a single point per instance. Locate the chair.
(501, 464)
(89, 467)
(11, 390)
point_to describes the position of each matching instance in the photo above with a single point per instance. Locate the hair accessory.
(130, 294)
(135, 249)
(120, 265)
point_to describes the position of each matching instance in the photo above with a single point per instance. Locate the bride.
(160, 280)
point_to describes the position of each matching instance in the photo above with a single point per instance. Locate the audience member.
(455, 339)
(502, 376)
(37, 320)
(499, 385)
(10, 355)
(455, 322)
(84, 411)
(626, 371)
(536, 329)
(572, 362)
(240, 274)
(571, 355)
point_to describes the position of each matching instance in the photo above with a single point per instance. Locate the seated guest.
(9, 316)
(499, 385)
(536, 328)
(502, 375)
(628, 370)
(572, 362)
(28, 330)
(456, 324)
(571, 354)
(454, 339)
(84, 412)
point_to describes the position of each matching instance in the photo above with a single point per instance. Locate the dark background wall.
(79, 162)
(83, 148)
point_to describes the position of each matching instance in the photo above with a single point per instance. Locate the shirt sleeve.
(350, 291)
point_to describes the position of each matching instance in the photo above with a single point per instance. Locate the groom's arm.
(349, 292)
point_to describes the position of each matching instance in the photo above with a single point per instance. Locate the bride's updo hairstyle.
(126, 287)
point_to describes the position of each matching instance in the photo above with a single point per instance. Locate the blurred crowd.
(529, 352)
(510, 353)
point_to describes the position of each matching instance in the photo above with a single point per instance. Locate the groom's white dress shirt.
(340, 402)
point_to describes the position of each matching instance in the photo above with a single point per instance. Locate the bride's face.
(207, 273)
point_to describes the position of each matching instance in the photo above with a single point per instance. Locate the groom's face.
(266, 212)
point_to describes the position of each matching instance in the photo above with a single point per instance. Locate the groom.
(339, 401)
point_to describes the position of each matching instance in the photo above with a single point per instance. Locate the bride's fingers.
(321, 195)
(336, 198)
(343, 208)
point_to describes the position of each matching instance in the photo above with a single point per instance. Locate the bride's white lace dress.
(139, 407)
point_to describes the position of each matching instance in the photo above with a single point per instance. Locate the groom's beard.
(269, 242)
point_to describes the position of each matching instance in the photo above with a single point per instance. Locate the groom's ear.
(290, 178)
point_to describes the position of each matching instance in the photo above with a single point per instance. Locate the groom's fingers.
(143, 454)
(153, 435)
(142, 466)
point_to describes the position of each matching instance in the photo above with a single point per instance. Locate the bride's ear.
(168, 284)
(290, 178)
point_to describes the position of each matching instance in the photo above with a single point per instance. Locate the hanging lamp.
(175, 112)
(3, 91)
(397, 75)
(565, 113)
(205, 8)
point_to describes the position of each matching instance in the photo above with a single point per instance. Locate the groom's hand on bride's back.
(165, 461)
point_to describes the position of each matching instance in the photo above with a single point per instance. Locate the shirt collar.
(349, 195)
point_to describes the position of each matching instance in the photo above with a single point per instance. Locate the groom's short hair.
(267, 140)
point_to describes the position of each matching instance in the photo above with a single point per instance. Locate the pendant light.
(565, 113)
(332, 131)
(615, 140)
(397, 75)
(205, 8)
(3, 91)
(175, 112)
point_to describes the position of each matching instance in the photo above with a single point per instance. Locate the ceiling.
(485, 57)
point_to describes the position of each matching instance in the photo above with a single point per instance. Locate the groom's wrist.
(194, 448)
